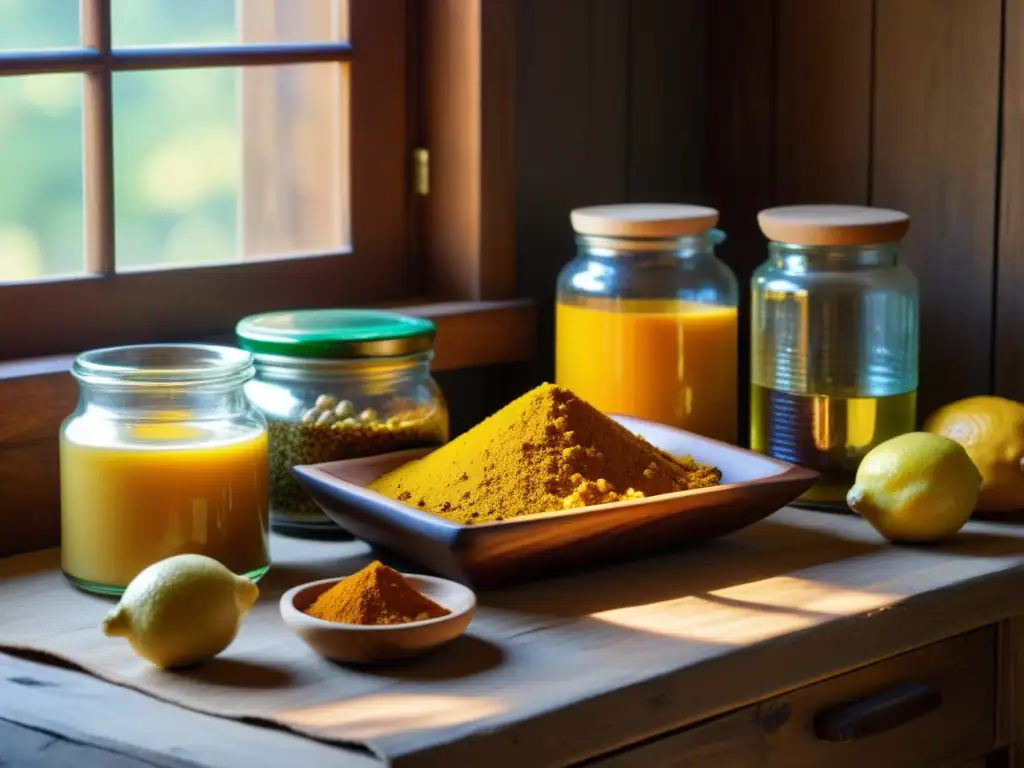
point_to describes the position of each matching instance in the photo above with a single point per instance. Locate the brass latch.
(421, 171)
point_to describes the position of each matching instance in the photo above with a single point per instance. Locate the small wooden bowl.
(358, 643)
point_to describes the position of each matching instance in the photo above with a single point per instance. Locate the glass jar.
(163, 456)
(339, 384)
(834, 340)
(646, 317)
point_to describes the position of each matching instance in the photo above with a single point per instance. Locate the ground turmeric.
(546, 451)
(375, 595)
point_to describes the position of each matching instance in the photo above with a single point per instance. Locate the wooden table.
(804, 640)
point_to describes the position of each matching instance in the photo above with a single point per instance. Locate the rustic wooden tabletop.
(645, 648)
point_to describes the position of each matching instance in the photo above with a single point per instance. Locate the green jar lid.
(335, 333)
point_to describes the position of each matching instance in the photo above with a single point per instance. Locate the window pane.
(195, 183)
(38, 24)
(176, 167)
(41, 233)
(160, 22)
(164, 22)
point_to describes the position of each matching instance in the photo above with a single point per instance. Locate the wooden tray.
(498, 553)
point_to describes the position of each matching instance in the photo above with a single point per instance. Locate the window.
(168, 166)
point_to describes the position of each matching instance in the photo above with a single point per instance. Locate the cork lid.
(644, 220)
(833, 224)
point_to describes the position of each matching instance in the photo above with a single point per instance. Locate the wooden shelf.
(36, 395)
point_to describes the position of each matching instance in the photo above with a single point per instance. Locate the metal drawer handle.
(879, 712)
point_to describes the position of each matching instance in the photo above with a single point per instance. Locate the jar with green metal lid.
(338, 384)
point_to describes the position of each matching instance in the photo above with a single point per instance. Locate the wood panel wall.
(609, 103)
(910, 104)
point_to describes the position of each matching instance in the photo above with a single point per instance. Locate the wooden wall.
(742, 104)
(609, 98)
(910, 104)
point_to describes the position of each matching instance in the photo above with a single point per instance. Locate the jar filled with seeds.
(338, 384)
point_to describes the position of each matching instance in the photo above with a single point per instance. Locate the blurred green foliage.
(177, 148)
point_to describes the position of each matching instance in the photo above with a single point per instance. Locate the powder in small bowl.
(375, 595)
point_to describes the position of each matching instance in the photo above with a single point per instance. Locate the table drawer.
(935, 706)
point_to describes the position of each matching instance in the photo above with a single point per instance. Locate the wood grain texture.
(732, 741)
(738, 173)
(1010, 694)
(778, 733)
(36, 396)
(79, 718)
(378, 137)
(28, 748)
(859, 577)
(98, 144)
(450, 82)
(567, 670)
(608, 121)
(29, 496)
(666, 91)
(136, 307)
(823, 113)
(962, 669)
(572, 123)
(469, 90)
(496, 264)
(294, 137)
(1009, 287)
(935, 154)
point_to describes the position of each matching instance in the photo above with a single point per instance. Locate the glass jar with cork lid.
(338, 384)
(646, 317)
(834, 340)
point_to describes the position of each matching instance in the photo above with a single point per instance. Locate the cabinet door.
(934, 706)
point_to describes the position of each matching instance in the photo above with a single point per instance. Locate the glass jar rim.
(712, 237)
(289, 367)
(179, 365)
(892, 245)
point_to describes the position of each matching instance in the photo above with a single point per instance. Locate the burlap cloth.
(268, 675)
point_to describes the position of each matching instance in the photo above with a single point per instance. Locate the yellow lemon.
(181, 611)
(917, 487)
(991, 429)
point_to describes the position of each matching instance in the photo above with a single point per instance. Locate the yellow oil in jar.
(827, 434)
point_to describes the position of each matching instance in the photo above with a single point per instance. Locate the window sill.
(37, 394)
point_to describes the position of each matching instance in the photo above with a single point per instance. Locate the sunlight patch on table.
(382, 714)
(749, 613)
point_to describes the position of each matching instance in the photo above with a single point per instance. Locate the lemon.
(181, 610)
(917, 487)
(991, 429)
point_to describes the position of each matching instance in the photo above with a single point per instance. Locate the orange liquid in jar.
(124, 507)
(668, 361)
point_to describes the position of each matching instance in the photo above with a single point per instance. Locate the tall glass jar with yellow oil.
(646, 317)
(834, 340)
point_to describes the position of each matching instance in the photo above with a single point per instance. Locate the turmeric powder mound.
(546, 451)
(375, 595)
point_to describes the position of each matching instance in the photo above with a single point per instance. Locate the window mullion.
(98, 141)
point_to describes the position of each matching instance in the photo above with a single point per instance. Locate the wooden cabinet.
(934, 706)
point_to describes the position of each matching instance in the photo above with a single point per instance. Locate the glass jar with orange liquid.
(646, 317)
(163, 456)
(834, 340)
